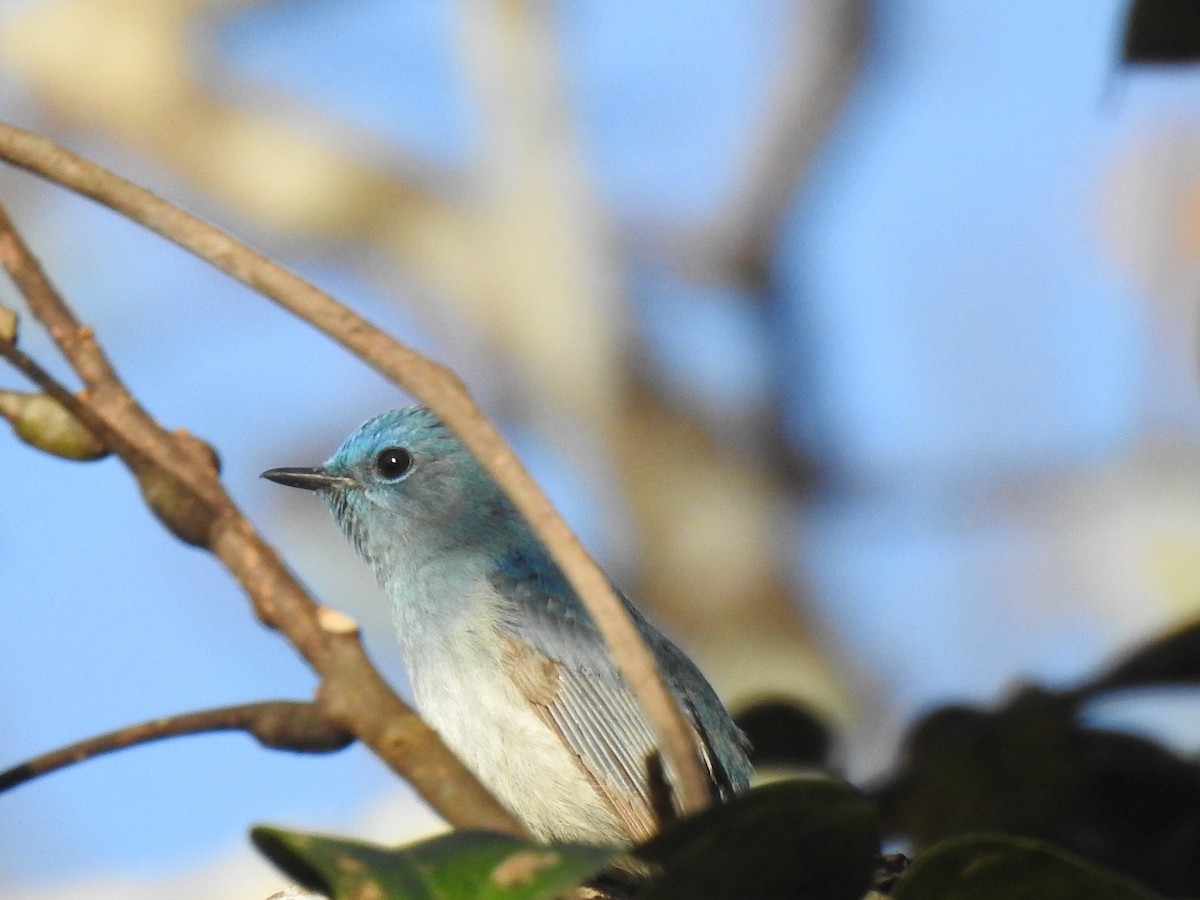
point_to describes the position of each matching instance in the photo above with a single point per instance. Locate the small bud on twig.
(8, 325)
(199, 447)
(42, 422)
(183, 513)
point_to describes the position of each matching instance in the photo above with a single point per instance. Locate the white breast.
(462, 690)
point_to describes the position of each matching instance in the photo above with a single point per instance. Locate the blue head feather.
(444, 500)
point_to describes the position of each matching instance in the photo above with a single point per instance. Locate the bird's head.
(402, 487)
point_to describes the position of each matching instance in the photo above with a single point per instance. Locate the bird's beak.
(307, 479)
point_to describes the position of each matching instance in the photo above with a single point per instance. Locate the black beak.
(306, 479)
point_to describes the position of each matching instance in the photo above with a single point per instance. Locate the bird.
(502, 657)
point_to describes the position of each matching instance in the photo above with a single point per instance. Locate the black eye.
(393, 462)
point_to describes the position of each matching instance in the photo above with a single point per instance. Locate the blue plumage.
(503, 658)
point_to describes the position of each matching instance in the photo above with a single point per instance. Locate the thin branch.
(434, 384)
(281, 724)
(178, 478)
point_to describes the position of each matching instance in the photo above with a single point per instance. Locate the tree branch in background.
(281, 724)
(821, 62)
(432, 383)
(177, 475)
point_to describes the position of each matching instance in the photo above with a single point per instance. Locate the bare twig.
(282, 724)
(177, 475)
(432, 383)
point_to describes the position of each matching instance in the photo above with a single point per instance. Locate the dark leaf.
(994, 867)
(785, 733)
(1173, 659)
(1032, 769)
(462, 865)
(810, 838)
(1162, 31)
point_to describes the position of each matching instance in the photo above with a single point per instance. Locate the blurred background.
(856, 339)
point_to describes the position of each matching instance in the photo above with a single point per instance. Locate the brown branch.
(177, 475)
(434, 384)
(281, 724)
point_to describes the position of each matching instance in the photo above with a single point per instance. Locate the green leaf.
(812, 838)
(995, 867)
(462, 865)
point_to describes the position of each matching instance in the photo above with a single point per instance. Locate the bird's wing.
(560, 664)
(598, 724)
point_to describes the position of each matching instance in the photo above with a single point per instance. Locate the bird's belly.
(462, 689)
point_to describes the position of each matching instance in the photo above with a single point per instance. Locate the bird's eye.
(393, 463)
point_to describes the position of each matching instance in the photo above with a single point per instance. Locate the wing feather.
(559, 662)
(604, 733)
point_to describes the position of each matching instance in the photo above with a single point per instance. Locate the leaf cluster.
(1024, 800)
(814, 839)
